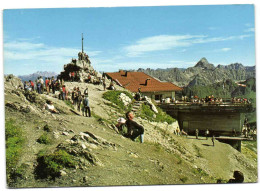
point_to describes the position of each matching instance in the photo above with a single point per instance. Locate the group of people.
(247, 131)
(240, 100)
(206, 135)
(40, 85)
(207, 100)
(72, 76)
(79, 98)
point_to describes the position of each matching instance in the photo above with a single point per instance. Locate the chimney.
(147, 81)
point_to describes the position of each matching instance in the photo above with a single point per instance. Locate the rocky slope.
(203, 73)
(101, 156)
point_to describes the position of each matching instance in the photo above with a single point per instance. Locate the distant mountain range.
(203, 73)
(34, 76)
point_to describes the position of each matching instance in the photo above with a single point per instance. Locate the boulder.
(125, 99)
(150, 103)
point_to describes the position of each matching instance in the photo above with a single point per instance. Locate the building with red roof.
(148, 85)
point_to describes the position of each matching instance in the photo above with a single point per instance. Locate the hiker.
(133, 129)
(73, 95)
(238, 177)
(50, 107)
(72, 76)
(111, 86)
(53, 82)
(184, 133)
(63, 92)
(197, 133)
(234, 133)
(86, 108)
(26, 86)
(32, 85)
(104, 84)
(178, 131)
(121, 126)
(86, 91)
(79, 98)
(39, 89)
(139, 95)
(58, 84)
(207, 134)
(213, 140)
(76, 96)
(67, 93)
(89, 79)
(47, 85)
(42, 84)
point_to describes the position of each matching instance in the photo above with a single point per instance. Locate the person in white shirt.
(50, 107)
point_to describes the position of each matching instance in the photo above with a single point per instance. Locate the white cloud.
(38, 51)
(252, 29)
(212, 28)
(166, 42)
(22, 45)
(176, 61)
(22, 52)
(161, 42)
(183, 50)
(225, 49)
(248, 24)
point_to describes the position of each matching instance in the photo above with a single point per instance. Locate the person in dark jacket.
(86, 107)
(238, 177)
(133, 129)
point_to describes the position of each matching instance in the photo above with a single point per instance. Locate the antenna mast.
(82, 43)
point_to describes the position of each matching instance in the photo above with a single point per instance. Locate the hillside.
(67, 149)
(203, 73)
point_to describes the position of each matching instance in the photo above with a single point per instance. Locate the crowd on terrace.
(207, 100)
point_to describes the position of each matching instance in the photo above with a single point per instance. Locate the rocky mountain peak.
(236, 66)
(203, 63)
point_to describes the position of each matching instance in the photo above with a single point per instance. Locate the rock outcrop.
(150, 103)
(82, 70)
(125, 99)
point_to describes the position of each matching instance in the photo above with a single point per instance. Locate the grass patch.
(251, 145)
(113, 96)
(14, 145)
(184, 179)
(180, 161)
(197, 149)
(157, 147)
(161, 116)
(49, 165)
(199, 171)
(47, 128)
(100, 120)
(249, 149)
(112, 105)
(68, 103)
(44, 139)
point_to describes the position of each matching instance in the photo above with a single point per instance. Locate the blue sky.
(128, 37)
